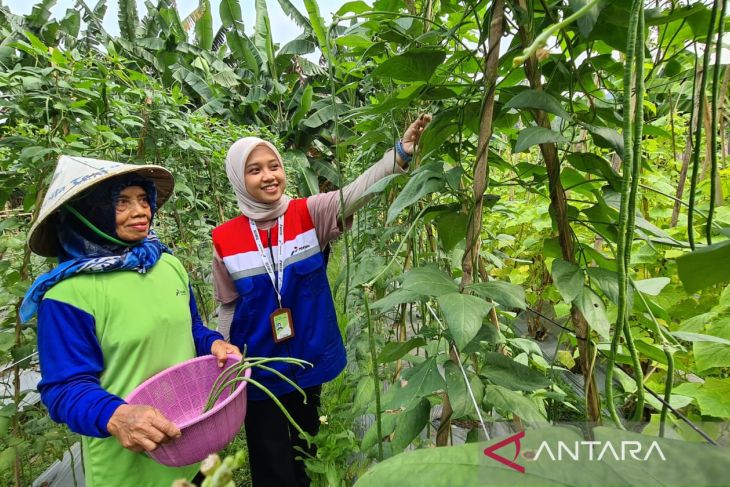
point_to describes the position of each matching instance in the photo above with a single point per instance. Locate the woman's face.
(133, 214)
(263, 175)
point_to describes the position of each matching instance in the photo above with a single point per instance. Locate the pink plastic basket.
(180, 393)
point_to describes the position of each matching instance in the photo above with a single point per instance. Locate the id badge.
(282, 326)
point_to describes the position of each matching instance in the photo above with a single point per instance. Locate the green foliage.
(170, 91)
(684, 464)
(705, 266)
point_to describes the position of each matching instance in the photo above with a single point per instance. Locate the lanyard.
(277, 278)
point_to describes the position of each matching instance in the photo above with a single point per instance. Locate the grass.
(241, 476)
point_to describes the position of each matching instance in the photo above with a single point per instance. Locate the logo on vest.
(181, 292)
(298, 249)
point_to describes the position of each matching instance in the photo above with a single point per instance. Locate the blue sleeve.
(71, 365)
(202, 335)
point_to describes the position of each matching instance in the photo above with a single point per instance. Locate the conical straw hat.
(76, 174)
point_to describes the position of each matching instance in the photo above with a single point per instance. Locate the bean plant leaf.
(507, 294)
(708, 355)
(395, 350)
(537, 135)
(506, 372)
(487, 333)
(417, 64)
(568, 278)
(463, 315)
(652, 286)
(712, 349)
(594, 311)
(438, 132)
(511, 402)
(698, 337)
(422, 380)
(705, 266)
(461, 402)
(409, 424)
(356, 7)
(381, 185)
(537, 100)
(452, 229)
(387, 426)
(364, 394)
(7, 458)
(711, 396)
(421, 184)
(607, 282)
(588, 20)
(399, 296)
(681, 463)
(596, 165)
(607, 138)
(429, 281)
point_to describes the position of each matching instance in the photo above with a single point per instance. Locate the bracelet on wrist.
(406, 157)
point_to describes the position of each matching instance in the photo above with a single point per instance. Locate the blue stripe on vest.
(317, 337)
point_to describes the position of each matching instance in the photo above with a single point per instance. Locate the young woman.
(116, 310)
(270, 278)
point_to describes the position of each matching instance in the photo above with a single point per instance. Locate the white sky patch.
(283, 29)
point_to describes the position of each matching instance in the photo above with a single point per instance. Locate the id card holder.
(282, 326)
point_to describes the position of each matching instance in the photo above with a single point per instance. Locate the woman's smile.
(264, 176)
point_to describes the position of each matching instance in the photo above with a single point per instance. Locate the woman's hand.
(221, 349)
(413, 133)
(141, 428)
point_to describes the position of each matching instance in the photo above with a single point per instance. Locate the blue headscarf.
(83, 251)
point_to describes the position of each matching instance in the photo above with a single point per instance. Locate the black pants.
(272, 439)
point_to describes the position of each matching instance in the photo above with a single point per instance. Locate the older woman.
(116, 310)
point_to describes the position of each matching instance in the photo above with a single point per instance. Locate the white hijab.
(235, 166)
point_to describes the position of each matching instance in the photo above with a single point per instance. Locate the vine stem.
(376, 376)
(679, 202)
(668, 353)
(669, 385)
(542, 39)
(463, 373)
(397, 251)
(336, 139)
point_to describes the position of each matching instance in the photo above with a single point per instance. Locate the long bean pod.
(276, 401)
(228, 377)
(633, 193)
(698, 130)
(713, 123)
(623, 212)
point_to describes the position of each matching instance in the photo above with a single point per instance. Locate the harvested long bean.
(233, 375)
